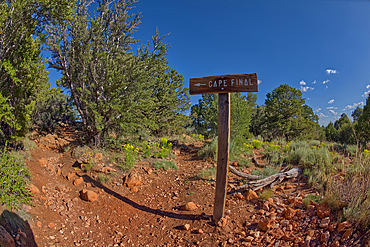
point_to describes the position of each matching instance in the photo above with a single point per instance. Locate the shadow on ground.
(138, 206)
(18, 228)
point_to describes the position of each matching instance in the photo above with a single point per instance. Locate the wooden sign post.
(223, 85)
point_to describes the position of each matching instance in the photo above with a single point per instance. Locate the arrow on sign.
(198, 85)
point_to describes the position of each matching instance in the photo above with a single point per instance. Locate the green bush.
(165, 164)
(311, 197)
(102, 178)
(162, 148)
(265, 172)
(209, 150)
(51, 109)
(351, 150)
(13, 181)
(210, 172)
(314, 143)
(266, 194)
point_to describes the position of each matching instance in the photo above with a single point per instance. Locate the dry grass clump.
(352, 195)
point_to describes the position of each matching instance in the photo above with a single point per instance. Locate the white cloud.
(353, 106)
(326, 87)
(366, 94)
(331, 107)
(314, 82)
(324, 82)
(317, 109)
(305, 89)
(331, 101)
(302, 83)
(331, 71)
(259, 82)
(368, 86)
(333, 112)
(321, 115)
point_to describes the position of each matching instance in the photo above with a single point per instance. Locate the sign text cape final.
(224, 84)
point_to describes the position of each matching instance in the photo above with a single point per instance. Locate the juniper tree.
(114, 89)
(287, 115)
(22, 70)
(205, 114)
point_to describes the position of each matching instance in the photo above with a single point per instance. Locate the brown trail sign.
(223, 85)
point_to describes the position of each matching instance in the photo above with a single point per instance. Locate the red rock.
(325, 223)
(347, 234)
(264, 225)
(134, 189)
(43, 162)
(332, 227)
(186, 227)
(343, 226)
(288, 238)
(240, 196)
(289, 213)
(109, 170)
(5, 238)
(324, 238)
(250, 194)
(284, 223)
(249, 239)
(266, 206)
(88, 195)
(132, 180)
(39, 224)
(200, 231)
(222, 222)
(78, 181)
(335, 244)
(190, 206)
(310, 233)
(33, 189)
(98, 156)
(322, 210)
(71, 175)
(51, 225)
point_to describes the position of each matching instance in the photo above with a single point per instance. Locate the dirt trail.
(152, 213)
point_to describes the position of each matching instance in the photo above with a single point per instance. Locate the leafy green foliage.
(341, 131)
(311, 197)
(204, 115)
(265, 172)
(210, 172)
(266, 194)
(113, 89)
(22, 70)
(131, 155)
(209, 150)
(363, 125)
(162, 148)
(287, 115)
(165, 164)
(13, 181)
(51, 109)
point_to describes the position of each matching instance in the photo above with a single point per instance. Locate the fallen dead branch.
(257, 163)
(271, 180)
(242, 174)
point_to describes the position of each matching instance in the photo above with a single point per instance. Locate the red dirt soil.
(151, 214)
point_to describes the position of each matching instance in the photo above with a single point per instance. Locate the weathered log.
(242, 174)
(271, 180)
(257, 163)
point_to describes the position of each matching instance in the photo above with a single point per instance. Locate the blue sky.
(319, 46)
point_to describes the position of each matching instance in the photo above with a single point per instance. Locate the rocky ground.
(150, 207)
